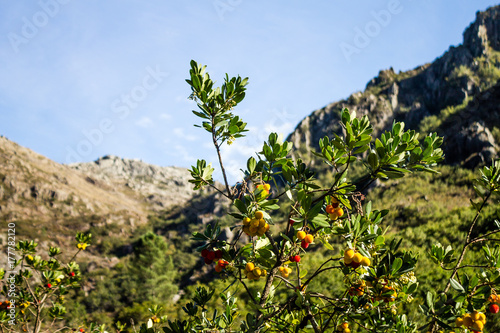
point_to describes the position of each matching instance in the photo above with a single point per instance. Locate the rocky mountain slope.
(46, 199)
(456, 95)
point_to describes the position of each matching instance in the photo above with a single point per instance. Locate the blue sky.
(83, 79)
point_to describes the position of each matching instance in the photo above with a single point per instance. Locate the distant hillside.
(114, 196)
(456, 95)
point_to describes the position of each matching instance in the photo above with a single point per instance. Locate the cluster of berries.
(305, 238)
(334, 210)
(256, 226)
(254, 273)
(221, 264)
(358, 289)
(387, 294)
(4, 305)
(494, 299)
(210, 255)
(265, 188)
(354, 259)
(295, 258)
(475, 321)
(285, 271)
(344, 327)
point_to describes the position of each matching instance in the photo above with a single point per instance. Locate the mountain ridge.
(451, 81)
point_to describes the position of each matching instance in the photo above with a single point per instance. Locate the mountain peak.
(429, 96)
(484, 32)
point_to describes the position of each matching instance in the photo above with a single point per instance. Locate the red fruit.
(211, 255)
(218, 254)
(82, 330)
(208, 261)
(49, 285)
(72, 274)
(296, 258)
(304, 244)
(354, 264)
(291, 222)
(204, 253)
(335, 204)
(494, 308)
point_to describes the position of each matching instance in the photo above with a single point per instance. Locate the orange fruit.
(309, 238)
(301, 234)
(249, 266)
(365, 261)
(357, 258)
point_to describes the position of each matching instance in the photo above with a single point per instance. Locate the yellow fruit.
(349, 253)
(309, 238)
(262, 223)
(254, 223)
(288, 270)
(282, 269)
(261, 231)
(477, 326)
(257, 271)
(347, 261)
(264, 273)
(459, 322)
(357, 258)
(339, 211)
(246, 230)
(467, 320)
(267, 187)
(258, 215)
(254, 229)
(482, 317)
(246, 221)
(347, 330)
(267, 227)
(345, 325)
(249, 266)
(493, 298)
(301, 234)
(475, 316)
(365, 261)
(333, 216)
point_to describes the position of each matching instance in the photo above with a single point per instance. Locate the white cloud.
(165, 116)
(179, 132)
(145, 122)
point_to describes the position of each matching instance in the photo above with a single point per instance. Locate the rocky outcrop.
(461, 74)
(160, 187)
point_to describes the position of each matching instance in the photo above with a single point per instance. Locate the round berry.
(296, 258)
(304, 244)
(309, 238)
(494, 308)
(204, 253)
(301, 234)
(259, 215)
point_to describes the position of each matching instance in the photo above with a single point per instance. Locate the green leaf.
(456, 285)
(396, 265)
(241, 206)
